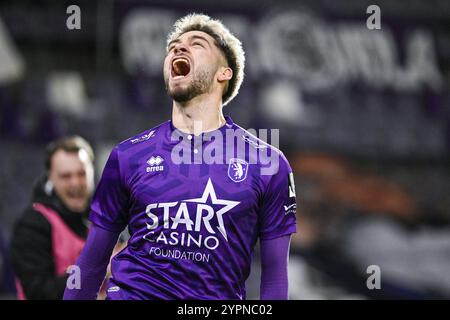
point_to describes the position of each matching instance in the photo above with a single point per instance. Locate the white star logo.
(209, 192)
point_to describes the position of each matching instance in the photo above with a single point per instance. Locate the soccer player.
(194, 203)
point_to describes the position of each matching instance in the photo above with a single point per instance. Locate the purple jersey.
(193, 224)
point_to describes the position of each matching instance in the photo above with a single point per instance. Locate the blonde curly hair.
(225, 41)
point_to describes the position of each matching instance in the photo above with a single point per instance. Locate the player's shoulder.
(145, 138)
(252, 140)
(263, 148)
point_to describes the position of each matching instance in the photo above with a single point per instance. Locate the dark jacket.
(31, 246)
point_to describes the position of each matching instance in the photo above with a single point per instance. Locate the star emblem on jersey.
(237, 170)
(210, 193)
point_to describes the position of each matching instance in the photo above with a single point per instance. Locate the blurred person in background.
(143, 188)
(50, 234)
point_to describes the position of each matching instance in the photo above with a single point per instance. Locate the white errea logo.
(155, 164)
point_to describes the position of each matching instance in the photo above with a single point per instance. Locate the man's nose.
(76, 181)
(180, 47)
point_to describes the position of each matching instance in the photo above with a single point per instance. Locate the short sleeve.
(278, 210)
(110, 203)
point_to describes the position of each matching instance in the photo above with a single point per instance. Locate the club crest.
(237, 170)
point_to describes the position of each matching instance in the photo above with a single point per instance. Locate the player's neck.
(201, 114)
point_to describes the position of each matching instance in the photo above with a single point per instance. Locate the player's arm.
(108, 217)
(277, 223)
(274, 268)
(92, 264)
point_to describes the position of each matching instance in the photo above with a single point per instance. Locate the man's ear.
(226, 73)
(48, 186)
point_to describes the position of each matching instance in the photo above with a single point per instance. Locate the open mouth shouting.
(180, 68)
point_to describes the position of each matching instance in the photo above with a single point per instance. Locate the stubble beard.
(200, 84)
